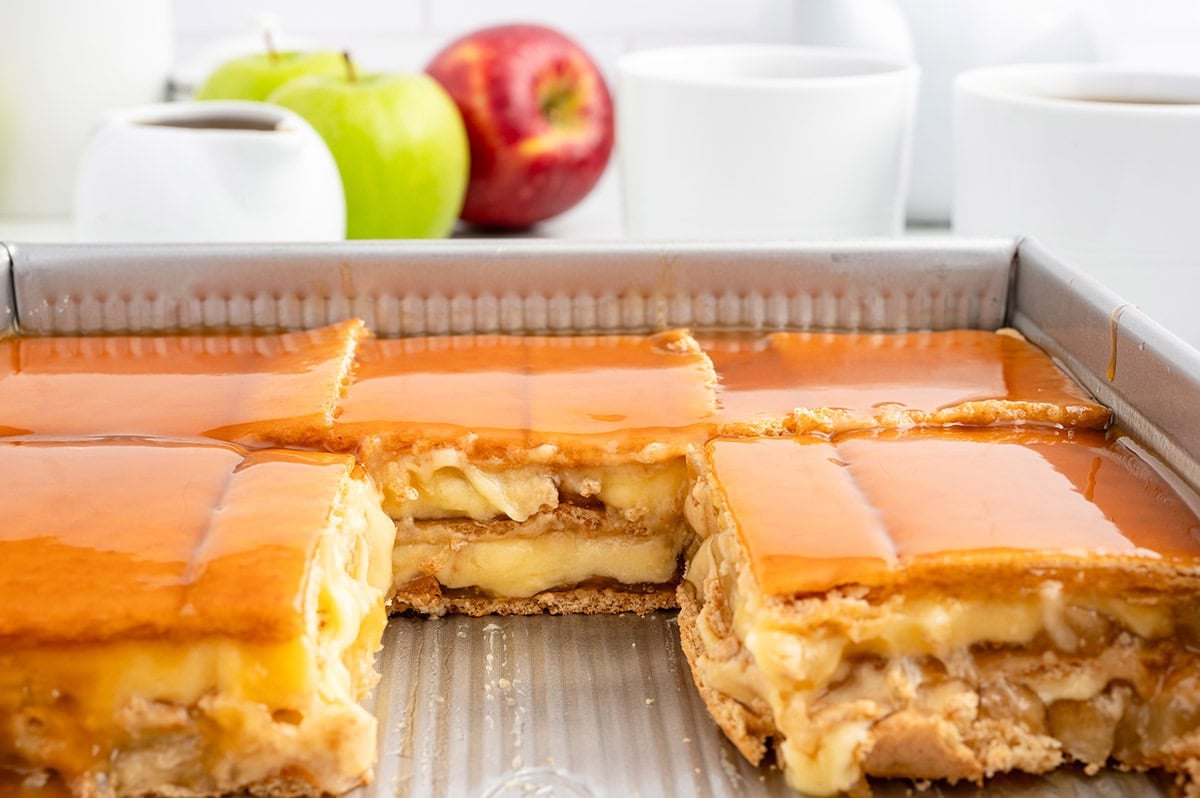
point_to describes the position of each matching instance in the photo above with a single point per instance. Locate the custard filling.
(519, 566)
(1081, 671)
(125, 706)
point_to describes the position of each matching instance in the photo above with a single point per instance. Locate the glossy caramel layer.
(619, 390)
(111, 540)
(247, 388)
(869, 507)
(765, 377)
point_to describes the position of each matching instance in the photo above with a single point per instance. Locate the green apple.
(253, 77)
(400, 145)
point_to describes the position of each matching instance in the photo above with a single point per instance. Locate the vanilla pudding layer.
(555, 549)
(215, 715)
(849, 683)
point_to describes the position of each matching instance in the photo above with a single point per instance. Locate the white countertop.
(597, 218)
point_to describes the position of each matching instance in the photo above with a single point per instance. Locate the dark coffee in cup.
(215, 122)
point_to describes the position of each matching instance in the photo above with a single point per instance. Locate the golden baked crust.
(426, 597)
(747, 724)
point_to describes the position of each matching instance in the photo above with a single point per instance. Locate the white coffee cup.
(945, 38)
(763, 141)
(952, 36)
(1100, 163)
(208, 171)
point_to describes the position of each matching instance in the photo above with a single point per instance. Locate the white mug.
(1100, 163)
(946, 37)
(208, 171)
(763, 141)
(952, 36)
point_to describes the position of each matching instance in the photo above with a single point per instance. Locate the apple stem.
(558, 103)
(269, 41)
(351, 72)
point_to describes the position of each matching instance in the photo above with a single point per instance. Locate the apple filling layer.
(849, 684)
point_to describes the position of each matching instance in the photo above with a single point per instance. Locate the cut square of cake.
(944, 604)
(257, 390)
(188, 619)
(797, 382)
(532, 473)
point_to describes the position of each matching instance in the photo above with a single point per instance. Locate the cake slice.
(257, 390)
(188, 620)
(798, 382)
(532, 473)
(936, 604)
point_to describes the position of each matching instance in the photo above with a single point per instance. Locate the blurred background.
(74, 49)
(403, 34)
(943, 36)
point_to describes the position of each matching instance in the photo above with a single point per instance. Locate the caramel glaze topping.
(869, 507)
(125, 539)
(620, 391)
(247, 388)
(767, 376)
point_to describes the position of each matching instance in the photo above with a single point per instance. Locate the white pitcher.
(208, 171)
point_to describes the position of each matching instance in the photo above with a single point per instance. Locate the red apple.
(539, 121)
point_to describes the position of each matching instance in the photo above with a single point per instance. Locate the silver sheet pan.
(1147, 375)
(604, 706)
(8, 310)
(588, 707)
(415, 288)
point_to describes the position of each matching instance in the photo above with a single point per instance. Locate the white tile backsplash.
(621, 17)
(403, 34)
(315, 18)
(1161, 34)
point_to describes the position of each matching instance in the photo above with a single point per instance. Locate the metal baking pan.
(604, 706)
(416, 288)
(8, 311)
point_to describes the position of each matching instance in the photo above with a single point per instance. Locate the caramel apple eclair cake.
(532, 473)
(944, 604)
(189, 619)
(907, 554)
